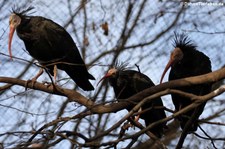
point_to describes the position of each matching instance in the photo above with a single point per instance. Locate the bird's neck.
(192, 64)
(113, 81)
(24, 25)
(24, 29)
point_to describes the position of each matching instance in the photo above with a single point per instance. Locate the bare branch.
(99, 108)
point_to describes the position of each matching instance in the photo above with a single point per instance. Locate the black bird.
(186, 61)
(50, 44)
(127, 83)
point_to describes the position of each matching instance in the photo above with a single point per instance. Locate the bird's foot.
(48, 84)
(32, 81)
(55, 73)
(127, 125)
(137, 117)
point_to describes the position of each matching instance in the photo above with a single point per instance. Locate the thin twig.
(208, 137)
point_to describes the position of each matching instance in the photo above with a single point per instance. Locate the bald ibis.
(127, 83)
(186, 61)
(50, 44)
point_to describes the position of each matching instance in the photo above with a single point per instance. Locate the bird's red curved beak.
(106, 76)
(175, 56)
(169, 64)
(11, 32)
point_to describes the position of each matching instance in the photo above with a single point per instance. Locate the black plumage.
(127, 83)
(186, 61)
(50, 44)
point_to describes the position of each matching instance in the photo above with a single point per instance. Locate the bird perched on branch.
(127, 83)
(187, 61)
(50, 44)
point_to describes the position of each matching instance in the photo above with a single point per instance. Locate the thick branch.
(114, 107)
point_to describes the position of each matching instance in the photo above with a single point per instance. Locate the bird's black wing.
(46, 40)
(64, 45)
(43, 38)
(61, 42)
(198, 64)
(139, 82)
(55, 45)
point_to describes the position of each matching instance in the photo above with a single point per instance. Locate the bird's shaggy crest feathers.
(183, 42)
(121, 66)
(22, 12)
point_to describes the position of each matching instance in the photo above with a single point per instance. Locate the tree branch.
(114, 107)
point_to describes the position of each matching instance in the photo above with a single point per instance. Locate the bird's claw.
(48, 84)
(137, 117)
(34, 79)
(127, 125)
(32, 83)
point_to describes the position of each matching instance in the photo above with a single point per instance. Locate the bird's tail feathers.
(82, 80)
(90, 77)
(84, 84)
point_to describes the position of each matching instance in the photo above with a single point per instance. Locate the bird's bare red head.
(118, 66)
(109, 73)
(175, 56)
(181, 45)
(14, 21)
